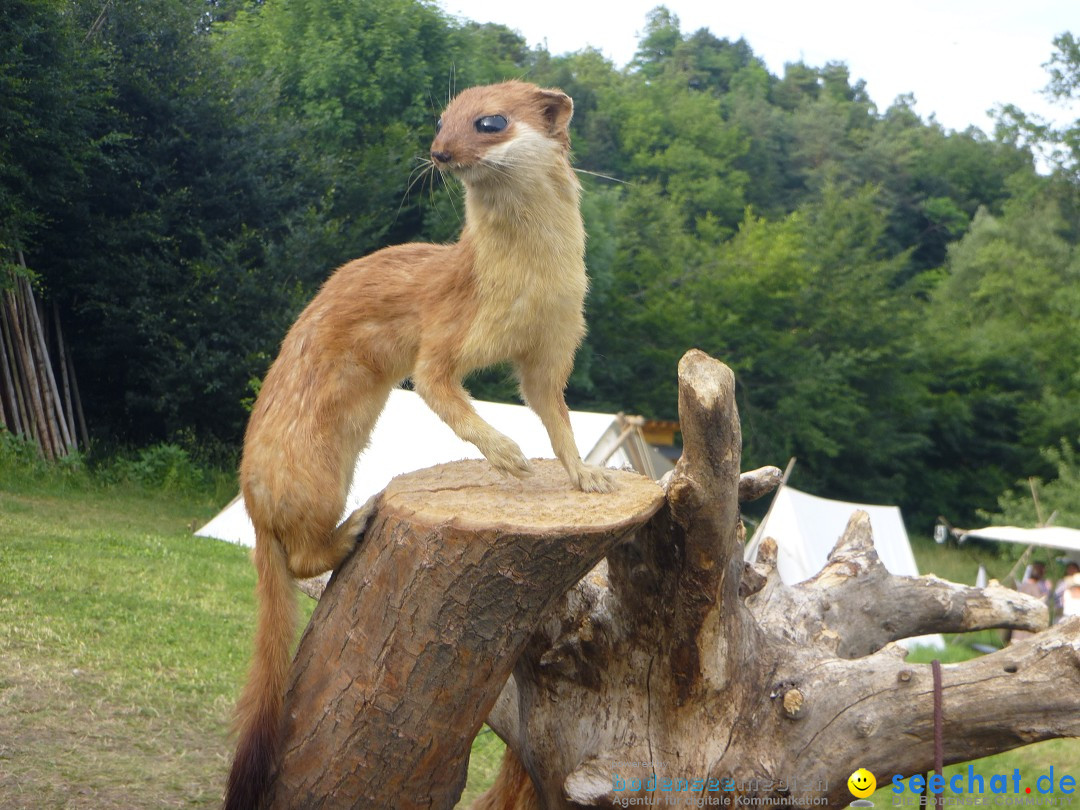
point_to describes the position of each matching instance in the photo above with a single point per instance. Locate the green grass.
(487, 754)
(124, 640)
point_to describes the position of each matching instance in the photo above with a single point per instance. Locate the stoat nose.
(441, 157)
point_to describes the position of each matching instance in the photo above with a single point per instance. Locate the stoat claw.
(588, 478)
(506, 457)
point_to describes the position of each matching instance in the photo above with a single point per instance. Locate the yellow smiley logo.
(862, 783)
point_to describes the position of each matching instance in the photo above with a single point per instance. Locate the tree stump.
(647, 659)
(419, 628)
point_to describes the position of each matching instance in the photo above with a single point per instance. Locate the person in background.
(1067, 591)
(1035, 584)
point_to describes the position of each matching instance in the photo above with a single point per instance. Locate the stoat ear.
(558, 109)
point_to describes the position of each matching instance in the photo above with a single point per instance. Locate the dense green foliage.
(1062, 493)
(899, 302)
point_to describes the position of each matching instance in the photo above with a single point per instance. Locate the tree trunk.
(417, 632)
(671, 660)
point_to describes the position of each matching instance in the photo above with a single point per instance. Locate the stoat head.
(504, 134)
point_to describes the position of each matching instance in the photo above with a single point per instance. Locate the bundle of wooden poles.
(39, 397)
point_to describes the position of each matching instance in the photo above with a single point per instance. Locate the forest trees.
(182, 174)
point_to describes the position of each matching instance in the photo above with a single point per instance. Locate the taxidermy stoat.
(511, 289)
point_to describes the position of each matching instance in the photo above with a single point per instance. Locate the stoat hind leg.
(318, 557)
(342, 541)
(319, 542)
(354, 526)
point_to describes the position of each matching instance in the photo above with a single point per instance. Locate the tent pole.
(1022, 561)
(787, 474)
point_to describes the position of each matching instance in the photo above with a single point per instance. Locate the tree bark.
(672, 659)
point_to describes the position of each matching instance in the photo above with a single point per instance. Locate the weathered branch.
(758, 483)
(702, 583)
(656, 642)
(416, 633)
(878, 711)
(854, 606)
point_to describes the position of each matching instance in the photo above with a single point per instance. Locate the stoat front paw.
(594, 479)
(506, 457)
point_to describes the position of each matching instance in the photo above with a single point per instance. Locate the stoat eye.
(491, 123)
(438, 125)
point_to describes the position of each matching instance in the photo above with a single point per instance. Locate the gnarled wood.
(854, 606)
(759, 483)
(670, 659)
(667, 657)
(799, 681)
(878, 711)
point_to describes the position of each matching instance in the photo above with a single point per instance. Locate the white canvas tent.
(409, 436)
(806, 527)
(1057, 537)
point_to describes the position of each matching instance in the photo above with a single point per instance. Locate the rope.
(939, 730)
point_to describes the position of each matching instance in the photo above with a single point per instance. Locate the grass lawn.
(124, 640)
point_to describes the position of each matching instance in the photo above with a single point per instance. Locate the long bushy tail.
(258, 714)
(512, 789)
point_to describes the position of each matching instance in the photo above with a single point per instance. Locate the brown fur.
(512, 789)
(512, 288)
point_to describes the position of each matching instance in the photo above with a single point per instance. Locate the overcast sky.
(958, 57)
